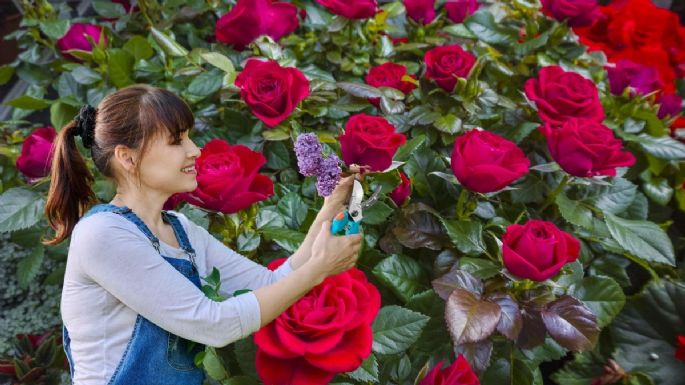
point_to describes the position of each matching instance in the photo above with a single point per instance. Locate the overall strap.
(181, 235)
(128, 214)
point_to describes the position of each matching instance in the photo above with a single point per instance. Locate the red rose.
(351, 9)
(75, 38)
(35, 159)
(389, 75)
(421, 11)
(459, 373)
(458, 10)
(328, 331)
(655, 57)
(586, 148)
(228, 178)
(447, 63)
(670, 105)
(400, 194)
(249, 19)
(579, 13)
(560, 95)
(680, 349)
(272, 92)
(370, 141)
(537, 250)
(676, 50)
(678, 129)
(639, 23)
(485, 162)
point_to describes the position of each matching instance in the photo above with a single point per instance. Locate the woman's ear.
(125, 157)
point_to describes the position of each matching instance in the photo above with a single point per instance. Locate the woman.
(131, 301)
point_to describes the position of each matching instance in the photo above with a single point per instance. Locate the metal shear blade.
(356, 206)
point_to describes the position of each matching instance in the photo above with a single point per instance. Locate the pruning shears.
(347, 222)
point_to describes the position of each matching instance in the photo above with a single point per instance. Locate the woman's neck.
(148, 208)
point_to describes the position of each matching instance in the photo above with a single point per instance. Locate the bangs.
(164, 113)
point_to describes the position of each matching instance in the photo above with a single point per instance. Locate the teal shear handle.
(343, 224)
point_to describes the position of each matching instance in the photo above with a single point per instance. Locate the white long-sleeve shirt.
(114, 273)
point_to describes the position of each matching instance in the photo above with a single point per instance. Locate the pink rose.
(351, 9)
(35, 159)
(272, 92)
(643, 79)
(537, 250)
(421, 11)
(586, 148)
(75, 38)
(458, 10)
(447, 63)
(249, 19)
(485, 162)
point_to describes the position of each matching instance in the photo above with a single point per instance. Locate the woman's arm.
(304, 252)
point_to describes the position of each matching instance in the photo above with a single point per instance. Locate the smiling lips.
(189, 169)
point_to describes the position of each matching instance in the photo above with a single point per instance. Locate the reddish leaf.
(571, 324)
(470, 319)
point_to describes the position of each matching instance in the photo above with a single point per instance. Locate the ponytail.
(70, 193)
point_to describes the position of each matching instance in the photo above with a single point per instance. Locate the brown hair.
(132, 117)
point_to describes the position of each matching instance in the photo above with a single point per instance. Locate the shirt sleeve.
(117, 256)
(237, 271)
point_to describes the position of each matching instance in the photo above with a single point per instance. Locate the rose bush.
(34, 161)
(530, 209)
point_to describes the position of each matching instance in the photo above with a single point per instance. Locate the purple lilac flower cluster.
(311, 162)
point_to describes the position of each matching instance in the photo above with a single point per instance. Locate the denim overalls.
(154, 356)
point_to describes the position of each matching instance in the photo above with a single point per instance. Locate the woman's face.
(169, 167)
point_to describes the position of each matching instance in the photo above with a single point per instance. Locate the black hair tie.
(85, 125)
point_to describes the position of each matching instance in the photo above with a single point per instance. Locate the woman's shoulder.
(102, 223)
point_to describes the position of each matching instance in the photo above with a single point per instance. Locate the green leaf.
(663, 147)
(603, 296)
(479, 267)
(120, 67)
(645, 333)
(466, 235)
(61, 114)
(571, 324)
(213, 365)
(616, 198)
(482, 24)
(219, 61)
(470, 319)
(658, 190)
(28, 268)
(20, 208)
(6, 73)
(575, 212)
(396, 328)
(54, 29)
(139, 47)
(584, 369)
(205, 84)
(85, 75)
(376, 214)
(288, 239)
(643, 239)
(28, 103)
(360, 90)
(108, 9)
(403, 275)
(367, 372)
(245, 352)
(277, 155)
(248, 241)
(269, 217)
(404, 152)
(168, 44)
(459, 30)
(504, 371)
(448, 124)
(293, 209)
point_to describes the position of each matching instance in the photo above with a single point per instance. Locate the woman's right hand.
(332, 254)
